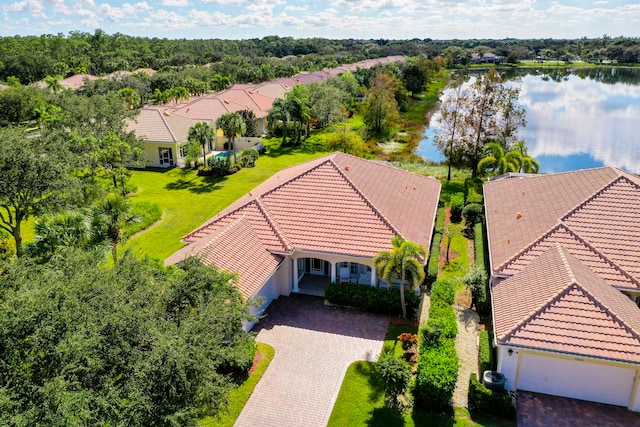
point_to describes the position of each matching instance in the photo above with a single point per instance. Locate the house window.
(354, 268)
(317, 265)
(166, 156)
(183, 151)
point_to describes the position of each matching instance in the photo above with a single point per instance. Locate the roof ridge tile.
(366, 199)
(597, 194)
(273, 224)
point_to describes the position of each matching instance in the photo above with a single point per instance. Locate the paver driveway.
(314, 345)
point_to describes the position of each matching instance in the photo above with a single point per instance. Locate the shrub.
(436, 376)
(473, 197)
(443, 291)
(408, 340)
(476, 280)
(434, 260)
(248, 158)
(7, 245)
(490, 401)
(473, 214)
(479, 245)
(457, 203)
(440, 218)
(372, 299)
(395, 375)
(485, 351)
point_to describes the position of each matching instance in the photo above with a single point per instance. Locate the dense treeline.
(32, 58)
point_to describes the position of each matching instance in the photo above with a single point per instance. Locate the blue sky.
(361, 19)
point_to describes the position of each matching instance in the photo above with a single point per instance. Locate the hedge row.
(372, 299)
(490, 401)
(485, 351)
(482, 259)
(434, 252)
(438, 361)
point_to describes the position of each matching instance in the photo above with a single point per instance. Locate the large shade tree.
(136, 345)
(34, 179)
(402, 262)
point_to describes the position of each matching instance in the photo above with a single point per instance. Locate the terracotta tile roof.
(556, 303)
(337, 204)
(576, 246)
(520, 210)
(253, 262)
(158, 125)
(610, 221)
(76, 81)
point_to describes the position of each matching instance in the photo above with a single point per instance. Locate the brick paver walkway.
(314, 345)
(542, 410)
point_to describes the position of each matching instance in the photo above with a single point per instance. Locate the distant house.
(257, 98)
(318, 222)
(565, 283)
(487, 58)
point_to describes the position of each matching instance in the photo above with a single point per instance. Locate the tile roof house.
(565, 283)
(258, 98)
(326, 218)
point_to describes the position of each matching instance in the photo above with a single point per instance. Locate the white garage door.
(576, 379)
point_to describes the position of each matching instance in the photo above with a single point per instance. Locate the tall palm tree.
(53, 83)
(232, 125)
(111, 215)
(402, 262)
(202, 133)
(130, 97)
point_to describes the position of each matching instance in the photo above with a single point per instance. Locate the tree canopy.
(136, 345)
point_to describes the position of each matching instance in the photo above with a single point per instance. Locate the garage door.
(576, 379)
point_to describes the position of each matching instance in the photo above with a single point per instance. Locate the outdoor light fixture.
(510, 351)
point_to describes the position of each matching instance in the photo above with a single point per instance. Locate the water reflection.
(575, 120)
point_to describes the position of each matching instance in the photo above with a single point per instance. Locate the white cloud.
(175, 3)
(34, 7)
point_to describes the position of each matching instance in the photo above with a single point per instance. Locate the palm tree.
(279, 113)
(61, 230)
(53, 83)
(220, 82)
(202, 133)
(232, 125)
(527, 164)
(402, 263)
(497, 161)
(111, 215)
(130, 97)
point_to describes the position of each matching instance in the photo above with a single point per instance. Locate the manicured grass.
(391, 342)
(239, 397)
(187, 200)
(361, 403)
(439, 172)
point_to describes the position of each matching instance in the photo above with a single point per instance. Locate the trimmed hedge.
(490, 401)
(473, 214)
(437, 376)
(434, 260)
(372, 299)
(438, 363)
(442, 293)
(485, 352)
(440, 219)
(457, 203)
(483, 306)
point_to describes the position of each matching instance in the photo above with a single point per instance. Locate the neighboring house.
(565, 274)
(323, 220)
(257, 97)
(487, 58)
(164, 136)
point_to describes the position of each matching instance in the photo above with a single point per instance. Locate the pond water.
(575, 119)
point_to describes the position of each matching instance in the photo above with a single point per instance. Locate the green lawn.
(187, 200)
(361, 403)
(239, 397)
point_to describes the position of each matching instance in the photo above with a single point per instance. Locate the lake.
(575, 119)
